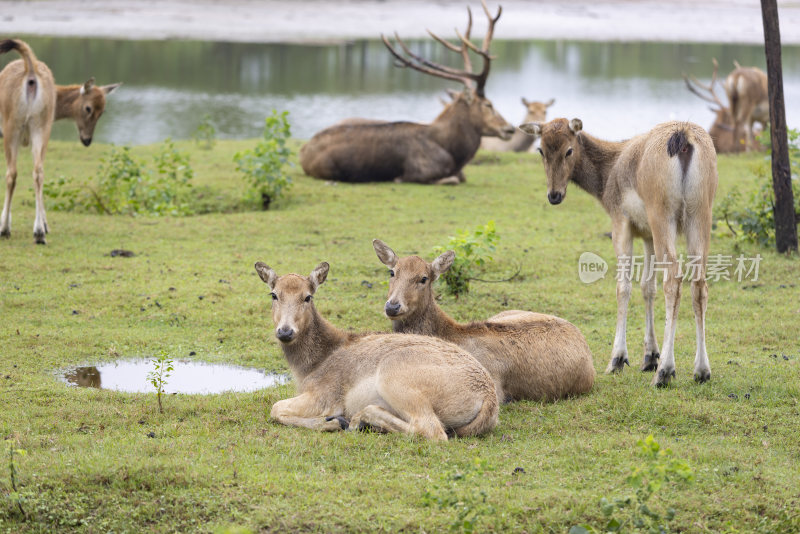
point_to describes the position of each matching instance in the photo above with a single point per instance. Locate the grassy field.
(217, 461)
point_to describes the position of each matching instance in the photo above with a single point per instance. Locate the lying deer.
(520, 141)
(29, 102)
(653, 186)
(727, 137)
(410, 384)
(529, 355)
(435, 153)
(749, 99)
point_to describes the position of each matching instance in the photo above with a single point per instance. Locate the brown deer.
(29, 102)
(393, 383)
(435, 153)
(529, 355)
(749, 100)
(653, 186)
(520, 141)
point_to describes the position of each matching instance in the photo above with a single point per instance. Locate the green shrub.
(263, 166)
(162, 369)
(472, 250)
(460, 492)
(206, 133)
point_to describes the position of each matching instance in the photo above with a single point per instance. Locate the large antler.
(465, 76)
(713, 98)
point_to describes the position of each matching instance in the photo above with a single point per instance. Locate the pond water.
(617, 89)
(187, 377)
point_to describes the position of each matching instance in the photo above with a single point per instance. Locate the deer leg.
(38, 148)
(11, 143)
(664, 235)
(623, 247)
(303, 411)
(697, 238)
(412, 407)
(651, 354)
(383, 420)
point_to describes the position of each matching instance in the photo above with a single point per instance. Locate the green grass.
(218, 460)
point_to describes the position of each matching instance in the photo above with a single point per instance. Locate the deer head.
(89, 107)
(292, 300)
(560, 152)
(537, 111)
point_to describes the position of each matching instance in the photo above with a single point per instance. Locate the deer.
(29, 103)
(653, 186)
(434, 153)
(529, 355)
(747, 92)
(727, 137)
(520, 141)
(415, 385)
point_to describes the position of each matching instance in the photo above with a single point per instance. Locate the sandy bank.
(735, 21)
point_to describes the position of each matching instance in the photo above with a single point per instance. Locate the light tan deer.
(529, 355)
(654, 186)
(435, 153)
(520, 141)
(29, 102)
(410, 384)
(749, 100)
(727, 136)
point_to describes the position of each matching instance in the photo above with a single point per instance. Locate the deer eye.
(423, 279)
(308, 298)
(391, 273)
(569, 153)
(274, 296)
(88, 109)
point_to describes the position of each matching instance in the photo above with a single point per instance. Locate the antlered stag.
(653, 186)
(29, 103)
(529, 355)
(393, 383)
(520, 141)
(435, 153)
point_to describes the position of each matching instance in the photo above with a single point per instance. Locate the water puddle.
(187, 377)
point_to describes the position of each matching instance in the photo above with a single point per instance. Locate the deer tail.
(23, 49)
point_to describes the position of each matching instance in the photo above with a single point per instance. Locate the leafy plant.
(460, 491)
(633, 513)
(162, 368)
(206, 133)
(15, 496)
(472, 250)
(263, 166)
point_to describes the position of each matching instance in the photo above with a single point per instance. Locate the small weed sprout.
(460, 491)
(633, 513)
(205, 136)
(264, 165)
(473, 251)
(15, 496)
(162, 368)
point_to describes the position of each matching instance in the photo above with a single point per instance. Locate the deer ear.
(550, 102)
(385, 254)
(525, 102)
(85, 88)
(319, 275)
(532, 128)
(108, 89)
(267, 274)
(576, 125)
(442, 263)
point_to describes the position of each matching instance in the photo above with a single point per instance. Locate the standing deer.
(529, 355)
(435, 153)
(393, 383)
(29, 102)
(653, 186)
(749, 100)
(520, 141)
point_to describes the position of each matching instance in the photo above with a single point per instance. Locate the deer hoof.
(701, 376)
(39, 238)
(617, 363)
(663, 377)
(650, 362)
(6, 233)
(344, 423)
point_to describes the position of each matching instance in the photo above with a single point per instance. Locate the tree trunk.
(785, 224)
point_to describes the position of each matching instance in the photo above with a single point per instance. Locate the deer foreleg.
(303, 411)
(651, 353)
(623, 247)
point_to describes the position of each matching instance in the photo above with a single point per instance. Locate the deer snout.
(86, 141)
(392, 308)
(555, 197)
(284, 334)
(507, 131)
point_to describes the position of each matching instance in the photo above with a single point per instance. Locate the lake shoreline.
(310, 21)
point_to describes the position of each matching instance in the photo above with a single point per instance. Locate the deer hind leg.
(11, 145)
(664, 235)
(38, 147)
(697, 238)
(651, 353)
(414, 413)
(623, 247)
(303, 411)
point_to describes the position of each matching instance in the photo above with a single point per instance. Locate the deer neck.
(319, 340)
(591, 173)
(67, 100)
(455, 132)
(432, 321)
